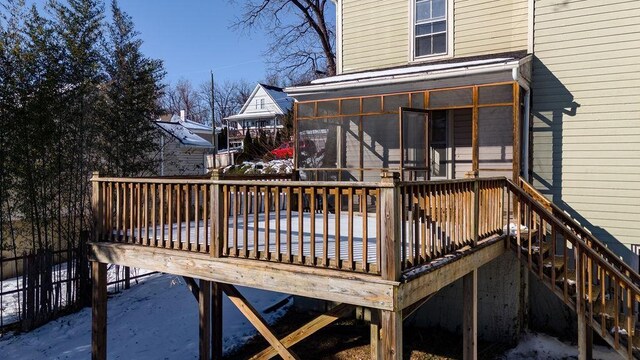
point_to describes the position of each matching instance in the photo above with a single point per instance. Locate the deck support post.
(470, 315)
(99, 311)
(376, 348)
(585, 333)
(216, 321)
(204, 310)
(391, 323)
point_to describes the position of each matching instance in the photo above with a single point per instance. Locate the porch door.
(415, 156)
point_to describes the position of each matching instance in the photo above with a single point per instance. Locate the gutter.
(406, 78)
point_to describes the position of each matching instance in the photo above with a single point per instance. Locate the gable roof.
(281, 103)
(185, 136)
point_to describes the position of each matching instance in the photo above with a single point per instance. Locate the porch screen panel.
(381, 142)
(495, 94)
(317, 143)
(414, 144)
(451, 98)
(495, 140)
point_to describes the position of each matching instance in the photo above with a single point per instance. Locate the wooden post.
(470, 315)
(585, 333)
(217, 214)
(216, 321)
(476, 211)
(127, 277)
(204, 310)
(376, 348)
(390, 208)
(475, 152)
(99, 311)
(391, 322)
(96, 206)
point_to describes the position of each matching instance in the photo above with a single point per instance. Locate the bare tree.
(183, 96)
(303, 36)
(229, 96)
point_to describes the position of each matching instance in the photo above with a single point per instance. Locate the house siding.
(376, 34)
(178, 159)
(586, 122)
(486, 27)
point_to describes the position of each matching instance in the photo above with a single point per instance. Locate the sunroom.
(454, 119)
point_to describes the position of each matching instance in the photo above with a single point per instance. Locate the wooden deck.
(385, 246)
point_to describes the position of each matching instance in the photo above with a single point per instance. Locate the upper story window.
(261, 103)
(430, 28)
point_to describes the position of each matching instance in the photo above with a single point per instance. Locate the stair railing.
(577, 271)
(581, 232)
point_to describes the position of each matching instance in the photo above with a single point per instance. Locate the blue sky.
(193, 37)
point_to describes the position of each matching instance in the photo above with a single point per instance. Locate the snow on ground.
(545, 347)
(155, 319)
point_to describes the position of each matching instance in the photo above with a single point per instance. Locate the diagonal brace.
(307, 330)
(254, 317)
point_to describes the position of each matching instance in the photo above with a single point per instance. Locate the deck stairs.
(577, 267)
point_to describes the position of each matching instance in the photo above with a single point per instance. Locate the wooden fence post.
(216, 213)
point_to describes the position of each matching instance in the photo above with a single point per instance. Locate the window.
(261, 103)
(430, 28)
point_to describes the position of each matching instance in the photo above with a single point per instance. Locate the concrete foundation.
(501, 306)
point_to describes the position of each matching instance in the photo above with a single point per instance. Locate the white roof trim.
(408, 74)
(265, 115)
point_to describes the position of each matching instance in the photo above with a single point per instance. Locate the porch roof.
(515, 63)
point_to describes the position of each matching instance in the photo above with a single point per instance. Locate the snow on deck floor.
(358, 233)
(155, 319)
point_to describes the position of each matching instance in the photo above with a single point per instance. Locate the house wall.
(486, 27)
(586, 122)
(375, 34)
(268, 103)
(178, 159)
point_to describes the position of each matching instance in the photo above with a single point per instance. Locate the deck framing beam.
(325, 284)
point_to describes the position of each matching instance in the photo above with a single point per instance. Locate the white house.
(264, 110)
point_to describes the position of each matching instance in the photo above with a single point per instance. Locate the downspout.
(526, 131)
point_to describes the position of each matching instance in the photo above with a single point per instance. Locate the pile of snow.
(156, 319)
(278, 166)
(543, 347)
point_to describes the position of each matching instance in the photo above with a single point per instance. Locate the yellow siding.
(375, 34)
(586, 134)
(485, 27)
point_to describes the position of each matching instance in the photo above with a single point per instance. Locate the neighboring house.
(184, 146)
(264, 111)
(542, 89)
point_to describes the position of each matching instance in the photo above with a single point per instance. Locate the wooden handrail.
(580, 230)
(576, 240)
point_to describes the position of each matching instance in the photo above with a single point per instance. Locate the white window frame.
(412, 29)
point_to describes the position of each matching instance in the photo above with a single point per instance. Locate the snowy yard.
(155, 319)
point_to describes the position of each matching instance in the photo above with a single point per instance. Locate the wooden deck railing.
(380, 228)
(600, 288)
